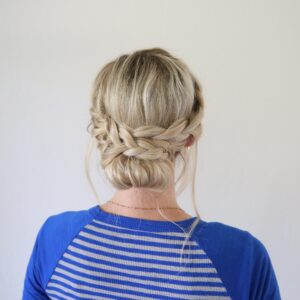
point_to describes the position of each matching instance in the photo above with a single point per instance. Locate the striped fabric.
(117, 257)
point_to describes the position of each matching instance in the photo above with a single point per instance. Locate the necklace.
(144, 207)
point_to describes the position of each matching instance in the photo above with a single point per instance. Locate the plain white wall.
(246, 55)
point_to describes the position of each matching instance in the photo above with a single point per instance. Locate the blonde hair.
(144, 107)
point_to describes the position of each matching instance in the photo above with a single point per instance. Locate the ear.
(189, 141)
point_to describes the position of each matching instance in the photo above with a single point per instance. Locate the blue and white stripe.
(105, 261)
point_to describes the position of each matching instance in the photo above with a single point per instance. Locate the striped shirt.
(93, 254)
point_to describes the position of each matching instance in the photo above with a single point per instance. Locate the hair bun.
(152, 88)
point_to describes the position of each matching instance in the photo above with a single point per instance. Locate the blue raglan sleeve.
(52, 240)
(264, 284)
(241, 260)
(33, 287)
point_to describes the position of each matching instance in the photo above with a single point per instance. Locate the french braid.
(146, 143)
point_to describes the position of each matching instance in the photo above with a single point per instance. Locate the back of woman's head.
(145, 105)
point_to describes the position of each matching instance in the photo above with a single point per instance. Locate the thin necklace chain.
(134, 207)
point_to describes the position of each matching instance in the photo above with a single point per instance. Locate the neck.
(144, 199)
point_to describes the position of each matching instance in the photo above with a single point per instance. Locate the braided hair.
(144, 107)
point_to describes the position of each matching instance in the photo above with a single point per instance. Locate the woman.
(146, 114)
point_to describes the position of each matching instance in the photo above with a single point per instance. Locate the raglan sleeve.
(264, 283)
(32, 286)
(51, 242)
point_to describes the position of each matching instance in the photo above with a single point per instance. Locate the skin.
(139, 197)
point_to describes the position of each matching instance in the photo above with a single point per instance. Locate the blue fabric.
(241, 260)
(52, 240)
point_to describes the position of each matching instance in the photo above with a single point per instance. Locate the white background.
(245, 54)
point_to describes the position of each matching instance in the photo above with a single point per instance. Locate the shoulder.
(219, 229)
(227, 245)
(59, 230)
(66, 223)
(240, 258)
(224, 235)
(53, 238)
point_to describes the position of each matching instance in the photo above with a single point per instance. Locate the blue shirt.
(94, 254)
